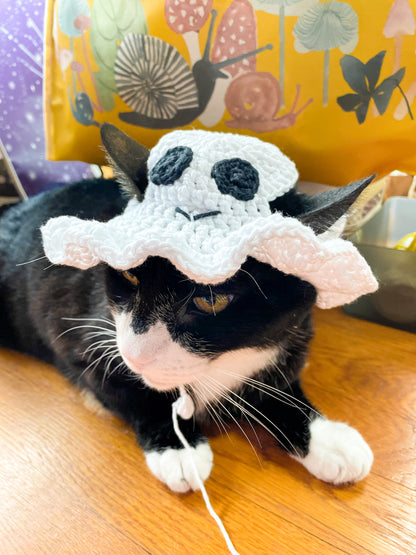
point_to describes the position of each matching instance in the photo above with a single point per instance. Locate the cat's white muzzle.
(162, 363)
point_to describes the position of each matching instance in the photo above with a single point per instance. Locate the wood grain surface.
(74, 482)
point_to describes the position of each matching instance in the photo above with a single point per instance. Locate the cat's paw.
(175, 469)
(337, 453)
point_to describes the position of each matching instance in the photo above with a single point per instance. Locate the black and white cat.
(131, 338)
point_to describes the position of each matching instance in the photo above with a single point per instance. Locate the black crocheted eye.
(236, 177)
(171, 166)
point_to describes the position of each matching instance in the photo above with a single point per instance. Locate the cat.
(131, 338)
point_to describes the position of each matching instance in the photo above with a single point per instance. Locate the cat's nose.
(141, 349)
(138, 360)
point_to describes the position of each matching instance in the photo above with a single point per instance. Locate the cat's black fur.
(40, 303)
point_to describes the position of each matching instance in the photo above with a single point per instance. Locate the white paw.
(337, 453)
(174, 466)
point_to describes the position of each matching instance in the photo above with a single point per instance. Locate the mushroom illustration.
(253, 101)
(82, 23)
(78, 68)
(68, 11)
(400, 22)
(236, 35)
(187, 19)
(63, 56)
(282, 8)
(325, 26)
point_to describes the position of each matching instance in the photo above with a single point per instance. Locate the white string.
(176, 409)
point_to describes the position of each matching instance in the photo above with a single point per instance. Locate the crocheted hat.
(206, 209)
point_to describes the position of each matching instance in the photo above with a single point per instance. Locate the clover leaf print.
(363, 78)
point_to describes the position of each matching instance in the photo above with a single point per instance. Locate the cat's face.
(172, 331)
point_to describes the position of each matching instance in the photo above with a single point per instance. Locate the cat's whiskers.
(274, 392)
(227, 394)
(185, 279)
(218, 394)
(203, 398)
(80, 327)
(108, 352)
(282, 374)
(92, 334)
(97, 345)
(108, 346)
(31, 261)
(105, 320)
(280, 395)
(295, 400)
(212, 300)
(298, 333)
(120, 365)
(107, 369)
(187, 299)
(255, 281)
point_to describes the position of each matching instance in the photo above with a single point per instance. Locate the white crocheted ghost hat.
(206, 209)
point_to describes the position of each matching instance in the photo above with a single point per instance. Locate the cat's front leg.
(149, 413)
(332, 451)
(337, 453)
(174, 465)
(165, 455)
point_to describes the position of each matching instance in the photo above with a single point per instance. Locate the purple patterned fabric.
(21, 114)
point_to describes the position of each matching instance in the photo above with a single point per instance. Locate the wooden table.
(74, 482)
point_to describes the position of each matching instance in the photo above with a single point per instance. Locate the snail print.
(154, 79)
(254, 99)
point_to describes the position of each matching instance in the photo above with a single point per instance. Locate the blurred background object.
(394, 304)
(21, 109)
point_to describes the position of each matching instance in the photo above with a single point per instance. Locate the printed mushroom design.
(282, 8)
(187, 19)
(325, 26)
(63, 55)
(82, 23)
(236, 35)
(401, 22)
(253, 100)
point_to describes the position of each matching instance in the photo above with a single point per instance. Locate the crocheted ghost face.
(228, 179)
(206, 209)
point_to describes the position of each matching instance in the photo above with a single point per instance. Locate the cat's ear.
(129, 159)
(320, 211)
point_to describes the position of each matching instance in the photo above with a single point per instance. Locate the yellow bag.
(331, 83)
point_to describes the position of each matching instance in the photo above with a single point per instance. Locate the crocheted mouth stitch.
(206, 209)
(191, 218)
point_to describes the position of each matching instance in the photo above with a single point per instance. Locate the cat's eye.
(213, 303)
(129, 276)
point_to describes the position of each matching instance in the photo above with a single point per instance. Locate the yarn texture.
(206, 209)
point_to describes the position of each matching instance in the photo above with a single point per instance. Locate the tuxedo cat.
(131, 338)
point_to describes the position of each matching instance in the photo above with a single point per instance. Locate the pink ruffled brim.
(334, 266)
